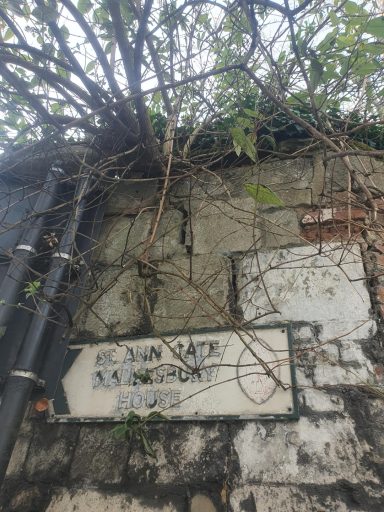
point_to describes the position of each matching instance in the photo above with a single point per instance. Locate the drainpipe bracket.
(28, 248)
(63, 256)
(40, 383)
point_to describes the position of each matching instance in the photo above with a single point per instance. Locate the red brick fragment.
(333, 216)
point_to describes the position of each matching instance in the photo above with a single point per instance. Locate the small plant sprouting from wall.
(135, 427)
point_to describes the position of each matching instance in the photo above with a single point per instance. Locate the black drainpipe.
(27, 248)
(24, 376)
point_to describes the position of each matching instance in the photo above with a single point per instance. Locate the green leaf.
(156, 415)
(316, 74)
(262, 194)
(241, 140)
(56, 108)
(364, 68)
(351, 8)
(252, 113)
(330, 72)
(373, 48)
(46, 14)
(333, 18)
(328, 41)
(90, 66)
(62, 72)
(119, 432)
(84, 6)
(65, 32)
(32, 288)
(270, 140)
(8, 34)
(237, 148)
(147, 445)
(375, 27)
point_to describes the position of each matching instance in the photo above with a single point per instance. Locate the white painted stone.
(319, 401)
(324, 365)
(328, 451)
(335, 372)
(306, 286)
(283, 498)
(98, 501)
(303, 334)
(347, 329)
(351, 352)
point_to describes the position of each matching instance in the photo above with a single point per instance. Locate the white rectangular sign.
(203, 375)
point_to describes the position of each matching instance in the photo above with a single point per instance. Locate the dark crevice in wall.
(186, 226)
(183, 230)
(370, 268)
(233, 299)
(375, 348)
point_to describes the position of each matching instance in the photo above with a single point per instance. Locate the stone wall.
(216, 258)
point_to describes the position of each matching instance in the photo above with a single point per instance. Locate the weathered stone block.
(184, 303)
(120, 308)
(304, 285)
(167, 242)
(123, 238)
(375, 428)
(26, 498)
(89, 500)
(130, 196)
(318, 181)
(295, 198)
(99, 457)
(16, 464)
(50, 452)
(127, 238)
(19, 454)
(294, 173)
(284, 177)
(201, 503)
(279, 228)
(223, 226)
(193, 453)
(320, 451)
(369, 169)
(226, 183)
